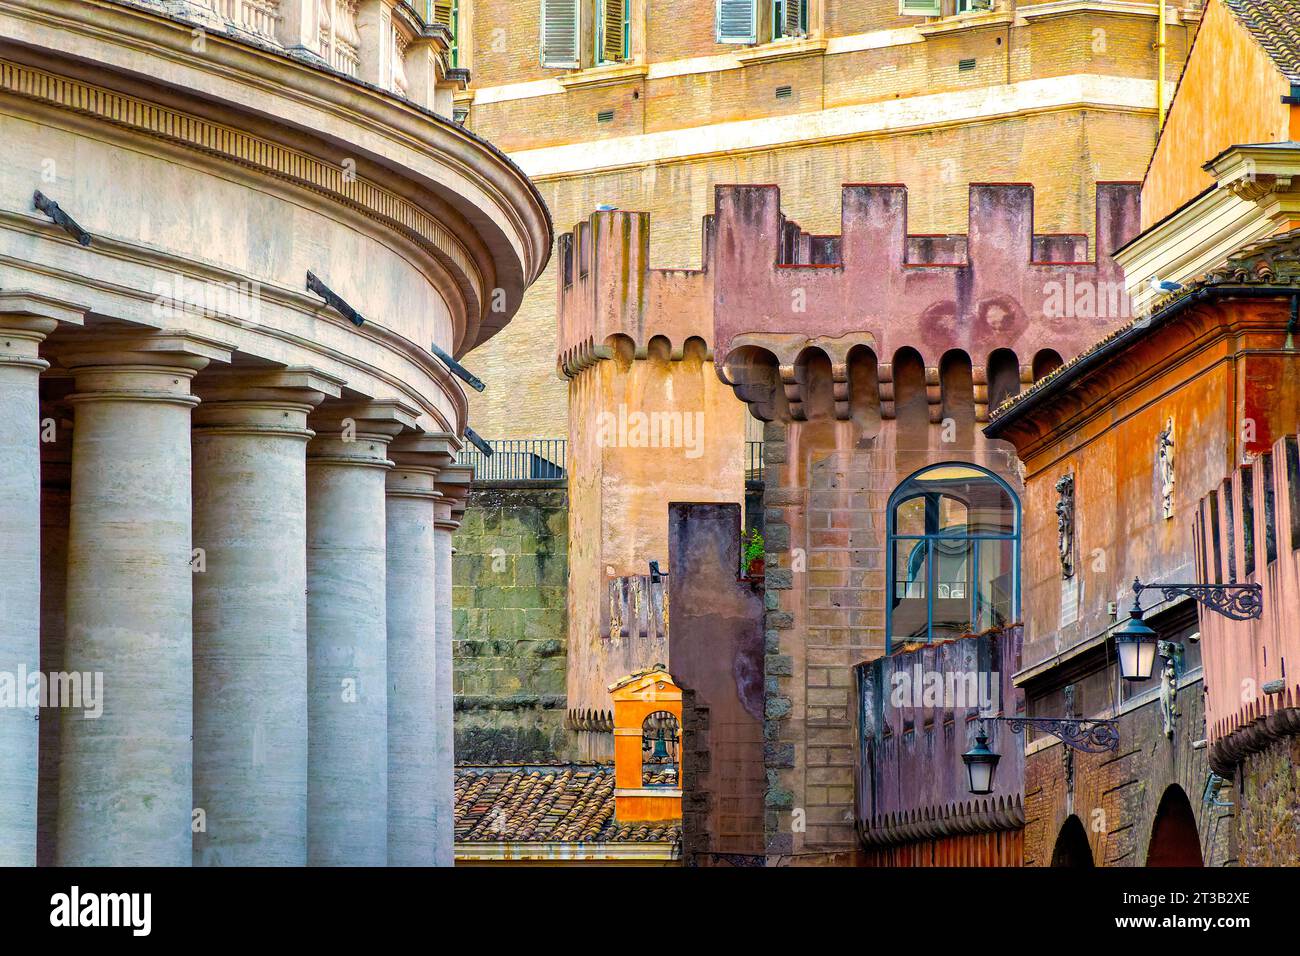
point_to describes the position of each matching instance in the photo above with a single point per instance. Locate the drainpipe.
(1160, 67)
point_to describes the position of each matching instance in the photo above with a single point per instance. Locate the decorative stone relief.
(1165, 460)
(1065, 523)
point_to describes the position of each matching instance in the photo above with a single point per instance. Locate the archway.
(1072, 847)
(1175, 841)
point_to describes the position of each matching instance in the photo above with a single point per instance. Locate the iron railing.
(753, 461)
(518, 459)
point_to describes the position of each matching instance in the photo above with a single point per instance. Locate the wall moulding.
(286, 163)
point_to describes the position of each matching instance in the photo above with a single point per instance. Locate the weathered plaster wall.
(508, 577)
(716, 645)
(649, 423)
(1120, 528)
(1230, 93)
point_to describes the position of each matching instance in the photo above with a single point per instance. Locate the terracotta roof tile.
(1275, 25)
(568, 803)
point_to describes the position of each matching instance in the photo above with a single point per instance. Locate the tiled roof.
(1271, 261)
(570, 803)
(1275, 25)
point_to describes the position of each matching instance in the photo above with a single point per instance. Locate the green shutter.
(447, 13)
(919, 8)
(613, 30)
(737, 21)
(560, 33)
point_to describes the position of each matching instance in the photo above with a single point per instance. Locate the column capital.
(127, 364)
(261, 401)
(419, 459)
(358, 433)
(454, 483)
(26, 318)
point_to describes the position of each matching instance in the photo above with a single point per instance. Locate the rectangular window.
(969, 6)
(560, 22)
(919, 8)
(737, 21)
(789, 18)
(613, 28)
(447, 13)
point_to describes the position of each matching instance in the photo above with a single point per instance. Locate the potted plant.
(752, 554)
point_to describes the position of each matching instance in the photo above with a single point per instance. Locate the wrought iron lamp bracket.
(1088, 734)
(1240, 602)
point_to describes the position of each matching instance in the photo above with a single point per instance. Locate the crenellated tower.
(649, 423)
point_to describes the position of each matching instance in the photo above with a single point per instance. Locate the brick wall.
(1116, 795)
(508, 587)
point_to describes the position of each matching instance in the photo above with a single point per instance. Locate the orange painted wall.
(1230, 93)
(1198, 375)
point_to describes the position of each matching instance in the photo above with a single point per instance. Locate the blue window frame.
(953, 563)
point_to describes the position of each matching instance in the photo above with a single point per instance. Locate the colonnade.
(258, 565)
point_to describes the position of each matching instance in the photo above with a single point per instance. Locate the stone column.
(250, 615)
(347, 700)
(125, 774)
(56, 493)
(416, 780)
(24, 322)
(453, 484)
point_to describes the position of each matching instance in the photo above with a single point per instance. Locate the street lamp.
(980, 765)
(1135, 645)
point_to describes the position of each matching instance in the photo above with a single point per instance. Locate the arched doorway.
(1175, 841)
(1072, 847)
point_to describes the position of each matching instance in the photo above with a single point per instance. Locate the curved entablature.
(308, 94)
(610, 303)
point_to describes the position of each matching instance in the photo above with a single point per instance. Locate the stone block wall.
(509, 591)
(1268, 806)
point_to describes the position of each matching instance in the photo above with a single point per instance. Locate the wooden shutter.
(440, 12)
(792, 18)
(560, 33)
(612, 25)
(737, 21)
(919, 8)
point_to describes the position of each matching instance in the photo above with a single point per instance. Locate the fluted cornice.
(952, 819)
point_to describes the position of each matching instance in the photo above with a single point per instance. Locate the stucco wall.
(621, 487)
(1230, 93)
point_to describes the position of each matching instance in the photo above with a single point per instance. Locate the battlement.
(606, 289)
(765, 281)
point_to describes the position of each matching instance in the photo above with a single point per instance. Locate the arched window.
(954, 536)
(660, 733)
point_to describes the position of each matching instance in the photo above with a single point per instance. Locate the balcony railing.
(518, 459)
(387, 48)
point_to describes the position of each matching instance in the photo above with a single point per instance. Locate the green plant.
(751, 549)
